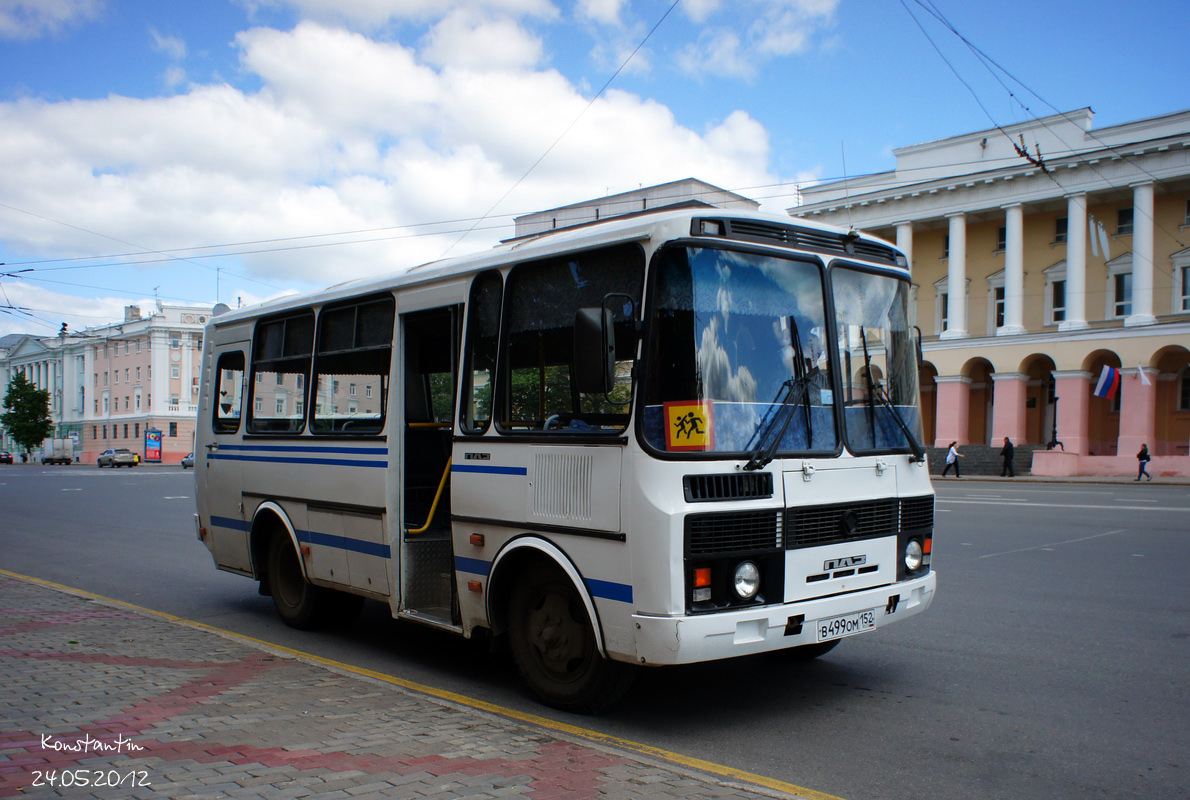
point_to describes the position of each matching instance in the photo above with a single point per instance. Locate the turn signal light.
(702, 577)
(474, 586)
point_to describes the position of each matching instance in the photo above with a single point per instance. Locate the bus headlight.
(746, 580)
(914, 555)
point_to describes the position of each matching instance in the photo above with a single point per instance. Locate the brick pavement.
(96, 693)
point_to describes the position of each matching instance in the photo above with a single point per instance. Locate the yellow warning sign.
(689, 425)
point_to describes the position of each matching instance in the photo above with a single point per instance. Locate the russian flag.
(1109, 383)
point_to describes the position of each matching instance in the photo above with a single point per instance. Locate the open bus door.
(429, 370)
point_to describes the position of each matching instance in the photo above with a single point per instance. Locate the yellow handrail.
(434, 505)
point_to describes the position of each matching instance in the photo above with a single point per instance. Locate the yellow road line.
(443, 694)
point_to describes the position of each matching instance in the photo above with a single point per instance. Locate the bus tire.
(553, 644)
(809, 652)
(300, 604)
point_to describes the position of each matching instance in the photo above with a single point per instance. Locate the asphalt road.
(1052, 665)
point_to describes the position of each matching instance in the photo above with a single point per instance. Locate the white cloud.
(377, 14)
(463, 40)
(750, 32)
(172, 46)
(345, 133)
(28, 19)
(605, 12)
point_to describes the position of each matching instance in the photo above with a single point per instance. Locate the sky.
(238, 150)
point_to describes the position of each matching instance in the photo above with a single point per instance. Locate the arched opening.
(1040, 402)
(979, 418)
(1171, 432)
(928, 388)
(1103, 413)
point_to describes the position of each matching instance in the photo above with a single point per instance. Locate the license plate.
(846, 625)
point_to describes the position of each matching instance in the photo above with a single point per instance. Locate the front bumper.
(707, 637)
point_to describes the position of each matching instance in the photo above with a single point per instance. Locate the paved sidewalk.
(94, 693)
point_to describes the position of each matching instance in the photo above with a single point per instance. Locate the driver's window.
(538, 391)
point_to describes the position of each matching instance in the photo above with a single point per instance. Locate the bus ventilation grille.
(732, 532)
(733, 486)
(811, 239)
(917, 513)
(814, 526)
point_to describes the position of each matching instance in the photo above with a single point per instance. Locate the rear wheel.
(553, 644)
(301, 604)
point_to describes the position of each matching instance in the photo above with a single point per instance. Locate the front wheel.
(553, 644)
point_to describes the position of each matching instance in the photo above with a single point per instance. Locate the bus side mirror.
(594, 350)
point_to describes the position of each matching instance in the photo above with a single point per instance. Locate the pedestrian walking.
(1143, 458)
(952, 460)
(1006, 452)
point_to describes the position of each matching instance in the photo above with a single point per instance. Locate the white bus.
(664, 438)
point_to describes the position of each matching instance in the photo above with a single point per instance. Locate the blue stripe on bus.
(314, 537)
(344, 543)
(230, 522)
(332, 462)
(285, 448)
(475, 566)
(608, 590)
(489, 470)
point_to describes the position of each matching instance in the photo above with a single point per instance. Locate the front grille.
(737, 531)
(811, 239)
(814, 526)
(732, 486)
(917, 513)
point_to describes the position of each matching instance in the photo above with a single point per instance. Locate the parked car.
(119, 457)
(188, 461)
(5, 457)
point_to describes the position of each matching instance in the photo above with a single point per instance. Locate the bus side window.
(281, 353)
(483, 340)
(538, 387)
(352, 366)
(229, 389)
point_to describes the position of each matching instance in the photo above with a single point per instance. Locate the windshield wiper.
(795, 391)
(881, 393)
(919, 455)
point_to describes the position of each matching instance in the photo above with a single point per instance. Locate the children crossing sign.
(689, 425)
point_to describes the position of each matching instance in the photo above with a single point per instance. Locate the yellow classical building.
(1043, 253)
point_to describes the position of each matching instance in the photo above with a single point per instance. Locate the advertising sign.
(152, 445)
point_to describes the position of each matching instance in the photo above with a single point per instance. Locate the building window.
(1181, 281)
(1122, 294)
(105, 432)
(995, 302)
(1119, 287)
(1184, 389)
(1124, 222)
(125, 430)
(173, 430)
(946, 246)
(280, 406)
(175, 371)
(1061, 225)
(136, 429)
(1001, 239)
(138, 374)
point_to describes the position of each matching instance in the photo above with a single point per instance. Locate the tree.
(27, 412)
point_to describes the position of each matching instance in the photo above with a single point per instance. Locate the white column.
(1142, 257)
(956, 279)
(1014, 271)
(1076, 264)
(905, 240)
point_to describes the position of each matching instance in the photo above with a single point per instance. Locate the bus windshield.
(879, 363)
(738, 359)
